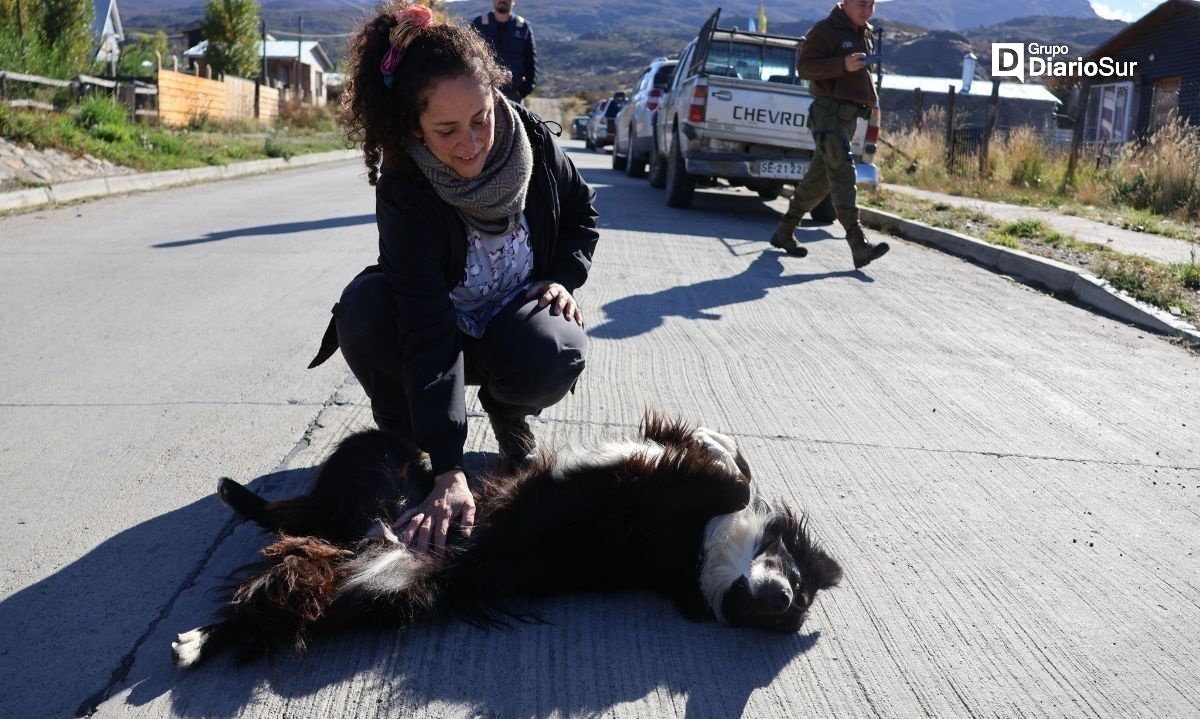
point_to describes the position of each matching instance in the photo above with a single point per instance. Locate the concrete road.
(1011, 483)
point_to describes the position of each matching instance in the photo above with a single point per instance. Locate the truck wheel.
(680, 185)
(635, 165)
(658, 168)
(769, 194)
(619, 160)
(824, 211)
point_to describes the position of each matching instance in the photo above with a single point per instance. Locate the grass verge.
(1150, 186)
(99, 127)
(1171, 287)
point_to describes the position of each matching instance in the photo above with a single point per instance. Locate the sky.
(1127, 10)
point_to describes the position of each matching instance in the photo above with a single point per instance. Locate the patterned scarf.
(492, 201)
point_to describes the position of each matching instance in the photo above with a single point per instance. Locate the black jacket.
(422, 251)
(513, 43)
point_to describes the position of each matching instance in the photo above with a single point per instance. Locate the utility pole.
(21, 29)
(299, 44)
(262, 72)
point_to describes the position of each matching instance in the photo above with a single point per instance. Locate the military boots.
(785, 240)
(864, 251)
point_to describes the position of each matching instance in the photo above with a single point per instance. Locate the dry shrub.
(1021, 158)
(1160, 175)
(919, 153)
(297, 115)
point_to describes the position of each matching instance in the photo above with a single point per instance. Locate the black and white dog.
(673, 512)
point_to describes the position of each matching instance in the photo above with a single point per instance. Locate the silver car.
(634, 134)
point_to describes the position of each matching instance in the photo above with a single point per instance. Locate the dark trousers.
(527, 359)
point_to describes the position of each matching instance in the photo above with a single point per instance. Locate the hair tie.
(409, 22)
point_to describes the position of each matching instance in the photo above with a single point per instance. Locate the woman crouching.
(485, 231)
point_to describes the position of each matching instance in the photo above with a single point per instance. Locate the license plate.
(784, 169)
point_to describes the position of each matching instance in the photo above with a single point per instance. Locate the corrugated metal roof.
(310, 51)
(979, 88)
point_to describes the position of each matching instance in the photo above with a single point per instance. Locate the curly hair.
(378, 115)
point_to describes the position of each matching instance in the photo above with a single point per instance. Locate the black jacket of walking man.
(831, 58)
(512, 39)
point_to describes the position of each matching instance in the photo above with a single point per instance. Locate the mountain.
(565, 19)
(596, 48)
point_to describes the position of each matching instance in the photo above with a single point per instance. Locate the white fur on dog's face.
(730, 545)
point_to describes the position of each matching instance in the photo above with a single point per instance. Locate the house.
(286, 60)
(1020, 104)
(1166, 80)
(106, 28)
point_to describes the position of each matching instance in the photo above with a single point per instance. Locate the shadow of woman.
(638, 314)
(68, 637)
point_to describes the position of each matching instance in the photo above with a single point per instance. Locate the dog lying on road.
(673, 512)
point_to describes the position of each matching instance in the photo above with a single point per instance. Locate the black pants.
(527, 359)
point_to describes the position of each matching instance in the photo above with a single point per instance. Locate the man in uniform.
(832, 59)
(512, 39)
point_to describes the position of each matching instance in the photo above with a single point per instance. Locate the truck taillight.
(696, 108)
(872, 133)
(653, 99)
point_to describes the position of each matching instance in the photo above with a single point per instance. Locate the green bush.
(275, 148)
(98, 111)
(1026, 227)
(1188, 274)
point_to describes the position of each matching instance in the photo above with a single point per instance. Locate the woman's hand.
(560, 300)
(450, 500)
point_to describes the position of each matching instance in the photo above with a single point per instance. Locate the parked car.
(602, 124)
(634, 136)
(579, 127)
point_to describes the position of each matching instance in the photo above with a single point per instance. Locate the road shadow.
(68, 624)
(638, 314)
(283, 228)
(590, 655)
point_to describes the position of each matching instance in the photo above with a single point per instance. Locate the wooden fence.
(185, 97)
(139, 96)
(176, 99)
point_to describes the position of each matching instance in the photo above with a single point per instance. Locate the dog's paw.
(188, 647)
(721, 446)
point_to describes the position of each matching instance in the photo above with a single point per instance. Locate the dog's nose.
(778, 597)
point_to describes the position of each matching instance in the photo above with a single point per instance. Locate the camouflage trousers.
(831, 171)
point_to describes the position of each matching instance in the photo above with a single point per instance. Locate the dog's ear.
(820, 571)
(823, 570)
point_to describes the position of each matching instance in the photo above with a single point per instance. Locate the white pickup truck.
(736, 111)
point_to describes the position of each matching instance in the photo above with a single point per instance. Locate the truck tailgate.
(762, 112)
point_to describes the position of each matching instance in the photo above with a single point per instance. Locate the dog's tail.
(276, 605)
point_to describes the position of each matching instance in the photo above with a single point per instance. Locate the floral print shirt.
(497, 268)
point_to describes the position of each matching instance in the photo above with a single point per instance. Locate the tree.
(231, 28)
(46, 37)
(136, 55)
(67, 26)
